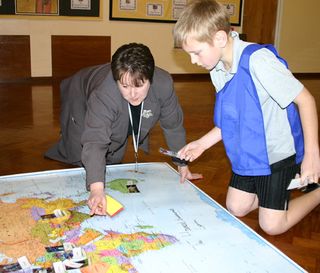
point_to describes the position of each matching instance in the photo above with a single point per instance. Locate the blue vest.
(238, 114)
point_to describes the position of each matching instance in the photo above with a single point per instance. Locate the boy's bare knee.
(237, 210)
(272, 226)
(272, 229)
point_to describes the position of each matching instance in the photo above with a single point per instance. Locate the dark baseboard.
(194, 77)
(32, 80)
(206, 76)
(49, 80)
(310, 76)
(189, 77)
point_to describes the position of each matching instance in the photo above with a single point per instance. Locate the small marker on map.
(68, 246)
(24, 262)
(113, 206)
(59, 267)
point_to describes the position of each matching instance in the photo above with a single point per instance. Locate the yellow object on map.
(113, 206)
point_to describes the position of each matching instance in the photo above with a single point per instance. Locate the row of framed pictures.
(129, 10)
(163, 11)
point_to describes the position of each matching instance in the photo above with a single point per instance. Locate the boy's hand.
(310, 169)
(191, 151)
(97, 199)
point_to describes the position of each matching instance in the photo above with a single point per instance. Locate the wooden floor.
(29, 124)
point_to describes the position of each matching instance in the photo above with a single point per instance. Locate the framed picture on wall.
(56, 8)
(234, 8)
(163, 11)
(84, 8)
(49, 7)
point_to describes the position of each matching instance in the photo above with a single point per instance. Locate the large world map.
(165, 226)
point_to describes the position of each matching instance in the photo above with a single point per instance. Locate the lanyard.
(134, 139)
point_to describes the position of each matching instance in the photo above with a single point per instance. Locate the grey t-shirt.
(276, 88)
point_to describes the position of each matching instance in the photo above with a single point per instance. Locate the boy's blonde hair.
(201, 19)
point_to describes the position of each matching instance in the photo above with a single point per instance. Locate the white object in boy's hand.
(169, 153)
(296, 184)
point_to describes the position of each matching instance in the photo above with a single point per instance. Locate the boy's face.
(202, 53)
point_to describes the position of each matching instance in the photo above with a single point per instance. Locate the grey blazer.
(94, 119)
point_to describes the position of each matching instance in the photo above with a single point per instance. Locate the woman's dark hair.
(135, 59)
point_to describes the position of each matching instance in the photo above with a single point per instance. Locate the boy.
(256, 117)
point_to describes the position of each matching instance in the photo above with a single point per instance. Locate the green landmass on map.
(121, 184)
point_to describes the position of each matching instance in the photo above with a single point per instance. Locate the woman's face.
(131, 93)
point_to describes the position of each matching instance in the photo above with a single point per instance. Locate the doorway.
(260, 21)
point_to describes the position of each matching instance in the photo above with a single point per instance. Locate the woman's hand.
(186, 174)
(97, 199)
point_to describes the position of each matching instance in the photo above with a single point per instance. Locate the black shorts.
(271, 189)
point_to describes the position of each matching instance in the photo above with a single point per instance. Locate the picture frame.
(163, 11)
(88, 9)
(234, 7)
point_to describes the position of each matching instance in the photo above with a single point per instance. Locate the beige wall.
(299, 39)
(158, 37)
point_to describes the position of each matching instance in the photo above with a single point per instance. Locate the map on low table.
(165, 226)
